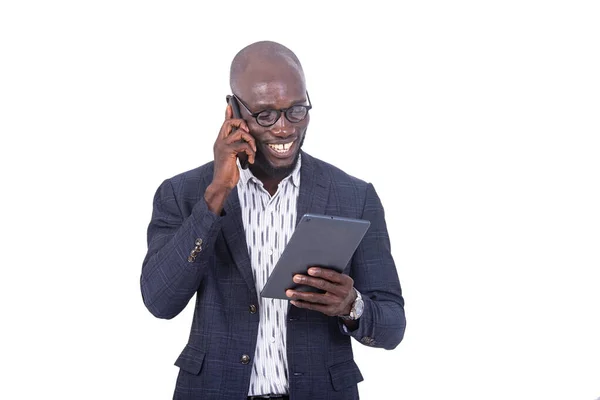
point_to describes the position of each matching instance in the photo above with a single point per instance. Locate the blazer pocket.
(190, 360)
(345, 375)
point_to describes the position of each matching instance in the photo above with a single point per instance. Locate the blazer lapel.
(314, 188)
(314, 192)
(313, 196)
(233, 230)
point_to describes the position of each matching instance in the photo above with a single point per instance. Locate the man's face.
(278, 146)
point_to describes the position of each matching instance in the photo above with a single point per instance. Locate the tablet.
(318, 240)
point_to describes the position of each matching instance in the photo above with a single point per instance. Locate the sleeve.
(383, 322)
(169, 279)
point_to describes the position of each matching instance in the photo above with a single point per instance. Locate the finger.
(318, 283)
(230, 125)
(241, 147)
(311, 297)
(250, 139)
(235, 143)
(330, 275)
(238, 123)
(241, 135)
(228, 112)
(312, 306)
(225, 130)
(251, 155)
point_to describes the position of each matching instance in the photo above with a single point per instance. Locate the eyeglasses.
(266, 118)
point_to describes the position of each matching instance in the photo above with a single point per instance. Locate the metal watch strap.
(349, 316)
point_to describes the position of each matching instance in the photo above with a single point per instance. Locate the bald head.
(264, 62)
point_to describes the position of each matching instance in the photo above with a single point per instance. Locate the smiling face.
(273, 83)
(278, 146)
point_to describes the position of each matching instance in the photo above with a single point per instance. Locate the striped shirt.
(269, 222)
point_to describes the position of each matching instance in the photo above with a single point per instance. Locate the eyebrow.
(271, 106)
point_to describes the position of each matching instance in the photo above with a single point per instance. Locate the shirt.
(269, 222)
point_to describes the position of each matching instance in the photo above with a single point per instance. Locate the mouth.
(282, 150)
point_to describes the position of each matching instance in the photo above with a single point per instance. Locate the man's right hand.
(234, 137)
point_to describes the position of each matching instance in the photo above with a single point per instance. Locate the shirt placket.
(277, 326)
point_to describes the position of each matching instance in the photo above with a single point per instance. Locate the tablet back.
(318, 240)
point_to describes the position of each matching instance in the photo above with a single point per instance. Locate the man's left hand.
(337, 299)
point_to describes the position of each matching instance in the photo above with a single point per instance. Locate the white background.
(477, 122)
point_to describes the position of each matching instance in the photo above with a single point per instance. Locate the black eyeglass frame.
(279, 111)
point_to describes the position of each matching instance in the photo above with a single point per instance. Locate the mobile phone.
(235, 107)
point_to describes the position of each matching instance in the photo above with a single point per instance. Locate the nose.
(283, 128)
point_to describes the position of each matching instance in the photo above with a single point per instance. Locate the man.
(218, 230)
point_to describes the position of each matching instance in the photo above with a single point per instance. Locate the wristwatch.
(357, 308)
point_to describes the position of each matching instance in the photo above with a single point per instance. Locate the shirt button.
(270, 252)
(272, 339)
(245, 359)
(252, 309)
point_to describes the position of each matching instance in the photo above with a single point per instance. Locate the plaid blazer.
(217, 360)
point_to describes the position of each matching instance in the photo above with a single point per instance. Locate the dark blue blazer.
(225, 326)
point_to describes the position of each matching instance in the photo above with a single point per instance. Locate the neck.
(270, 183)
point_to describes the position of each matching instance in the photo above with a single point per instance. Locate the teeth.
(281, 148)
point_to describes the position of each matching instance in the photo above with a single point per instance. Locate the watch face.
(358, 308)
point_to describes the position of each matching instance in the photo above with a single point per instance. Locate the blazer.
(217, 360)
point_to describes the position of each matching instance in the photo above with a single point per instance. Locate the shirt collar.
(246, 175)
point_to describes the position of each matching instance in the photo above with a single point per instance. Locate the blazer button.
(369, 341)
(252, 309)
(245, 359)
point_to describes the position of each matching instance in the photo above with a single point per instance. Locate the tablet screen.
(318, 240)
